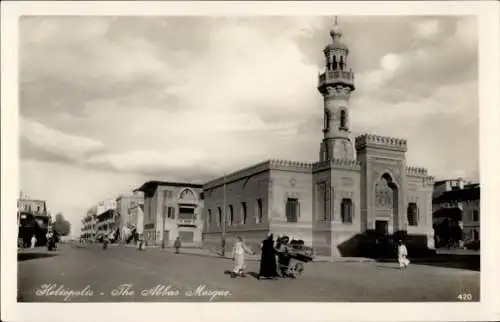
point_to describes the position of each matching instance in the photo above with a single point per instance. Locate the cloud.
(65, 145)
(427, 29)
(190, 98)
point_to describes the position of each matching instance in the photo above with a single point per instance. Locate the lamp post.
(164, 217)
(223, 228)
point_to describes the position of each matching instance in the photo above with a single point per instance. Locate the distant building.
(171, 210)
(456, 213)
(123, 203)
(107, 218)
(89, 221)
(135, 221)
(33, 219)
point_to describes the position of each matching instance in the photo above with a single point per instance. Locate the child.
(33, 241)
(177, 245)
(403, 256)
(239, 251)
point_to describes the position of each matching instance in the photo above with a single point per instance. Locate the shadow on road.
(469, 262)
(388, 267)
(252, 274)
(28, 256)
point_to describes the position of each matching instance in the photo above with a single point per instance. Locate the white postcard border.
(487, 13)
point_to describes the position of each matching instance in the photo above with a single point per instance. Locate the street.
(79, 273)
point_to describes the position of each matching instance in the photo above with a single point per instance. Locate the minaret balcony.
(336, 77)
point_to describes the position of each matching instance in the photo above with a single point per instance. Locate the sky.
(107, 103)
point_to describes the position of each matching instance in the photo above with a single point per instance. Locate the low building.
(456, 209)
(171, 210)
(33, 219)
(135, 222)
(123, 203)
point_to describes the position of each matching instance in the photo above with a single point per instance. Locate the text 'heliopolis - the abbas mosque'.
(360, 191)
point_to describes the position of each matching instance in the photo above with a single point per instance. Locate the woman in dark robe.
(268, 268)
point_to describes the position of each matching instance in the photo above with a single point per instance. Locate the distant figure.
(403, 256)
(268, 268)
(105, 242)
(239, 251)
(33, 241)
(140, 243)
(177, 245)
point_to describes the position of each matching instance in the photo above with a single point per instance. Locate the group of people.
(273, 262)
(271, 265)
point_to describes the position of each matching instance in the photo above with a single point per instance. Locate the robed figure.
(268, 268)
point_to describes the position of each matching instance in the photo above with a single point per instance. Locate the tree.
(61, 225)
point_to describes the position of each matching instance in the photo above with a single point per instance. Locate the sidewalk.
(216, 253)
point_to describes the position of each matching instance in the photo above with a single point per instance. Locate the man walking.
(403, 256)
(177, 245)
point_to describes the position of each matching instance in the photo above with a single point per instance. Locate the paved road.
(98, 274)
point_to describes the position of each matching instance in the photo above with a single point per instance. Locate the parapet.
(344, 164)
(382, 142)
(260, 167)
(420, 173)
(290, 165)
(416, 171)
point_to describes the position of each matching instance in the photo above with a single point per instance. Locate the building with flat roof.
(456, 213)
(33, 219)
(123, 203)
(171, 210)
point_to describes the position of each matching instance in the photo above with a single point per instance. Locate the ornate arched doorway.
(386, 205)
(386, 211)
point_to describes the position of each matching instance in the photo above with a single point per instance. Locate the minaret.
(336, 84)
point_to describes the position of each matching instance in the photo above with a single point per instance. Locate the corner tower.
(336, 84)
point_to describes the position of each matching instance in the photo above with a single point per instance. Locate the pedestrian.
(33, 241)
(140, 244)
(177, 245)
(268, 268)
(403, 256)
(238, 256)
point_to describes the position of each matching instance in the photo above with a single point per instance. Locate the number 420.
(464, 297)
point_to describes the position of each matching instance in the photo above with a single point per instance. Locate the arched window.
(219, 212)
(209, 218)
(258, 212)
(343, 119)
(342, 63)
(346, 211)
(243, 215)
(231, 215)
(475, 235)
(412, 213)
(334, 62)
(327, 120)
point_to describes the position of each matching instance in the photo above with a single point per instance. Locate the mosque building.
(359, 194)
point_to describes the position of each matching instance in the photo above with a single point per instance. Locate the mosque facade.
(359, 194)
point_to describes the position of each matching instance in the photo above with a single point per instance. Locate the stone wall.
(247, 191)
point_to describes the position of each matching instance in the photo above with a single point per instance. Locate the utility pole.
(164, 215)
(223, 228)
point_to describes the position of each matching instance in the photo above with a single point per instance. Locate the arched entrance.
(386, 212)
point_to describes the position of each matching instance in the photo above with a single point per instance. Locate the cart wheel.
(299, 268)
